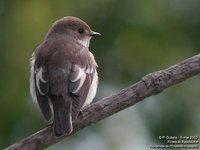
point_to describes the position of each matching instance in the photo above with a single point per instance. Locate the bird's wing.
(79, 84)
(40, 87)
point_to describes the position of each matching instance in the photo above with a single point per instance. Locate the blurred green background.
(139, 37)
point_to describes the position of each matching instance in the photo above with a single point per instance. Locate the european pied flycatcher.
(63, 73)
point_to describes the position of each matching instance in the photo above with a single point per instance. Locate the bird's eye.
(81, 30)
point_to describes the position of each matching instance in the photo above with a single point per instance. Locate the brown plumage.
(63, 73)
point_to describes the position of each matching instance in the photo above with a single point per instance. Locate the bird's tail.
(62, 115)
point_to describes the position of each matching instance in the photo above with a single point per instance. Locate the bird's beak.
(94, 33)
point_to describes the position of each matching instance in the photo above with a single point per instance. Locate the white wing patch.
(39, 78)
(92, 90)
(93, 87)
(81, 76)
(89, 70)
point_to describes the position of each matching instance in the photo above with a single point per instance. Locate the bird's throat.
(84, 42)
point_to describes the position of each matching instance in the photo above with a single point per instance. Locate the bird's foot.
(80, 115)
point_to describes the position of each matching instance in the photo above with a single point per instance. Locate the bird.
(64, 76)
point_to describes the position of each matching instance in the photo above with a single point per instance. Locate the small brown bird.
(63, 73)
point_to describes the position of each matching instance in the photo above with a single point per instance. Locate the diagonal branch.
(151, 84)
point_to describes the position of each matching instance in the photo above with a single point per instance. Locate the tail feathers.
(62, 116)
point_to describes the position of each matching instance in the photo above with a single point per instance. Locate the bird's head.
(75, 28)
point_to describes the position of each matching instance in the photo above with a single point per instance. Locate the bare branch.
(151, 84)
